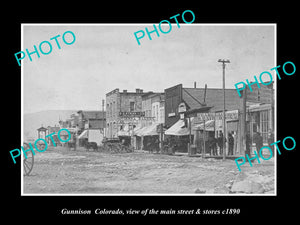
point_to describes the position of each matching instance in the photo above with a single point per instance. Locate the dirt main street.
(60, 171)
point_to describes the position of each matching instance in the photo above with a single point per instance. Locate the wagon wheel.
(113, 148)
(130, 149)
(28, 163)
(119, 148)
(109, 147)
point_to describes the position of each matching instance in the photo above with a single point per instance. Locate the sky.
(106, 56)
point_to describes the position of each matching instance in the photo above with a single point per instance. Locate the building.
(158, 108)
(65, 124)
(90, 120)
(153, 105)
(74, 121)
(252, 112)
(91, 127)
(122, 109)
(54, 130)
(259, 110)
(148, 128)
(197, 98)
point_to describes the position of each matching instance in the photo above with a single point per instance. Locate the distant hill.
(33, 121)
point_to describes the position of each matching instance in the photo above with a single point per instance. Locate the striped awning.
(84, 134)
(209, 126)
(147, 131)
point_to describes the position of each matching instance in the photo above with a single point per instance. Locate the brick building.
(121, 109)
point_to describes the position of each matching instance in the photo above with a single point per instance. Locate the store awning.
(147, 131)
(84, 134)
(209, 126)
(178, 129)
(124, 133)
(150, 130)
(139, 132)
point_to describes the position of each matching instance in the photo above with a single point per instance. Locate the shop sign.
(159, 128)
(232, 115)
(131, 114)
(171, 114)
(133, 120)
(181, 107)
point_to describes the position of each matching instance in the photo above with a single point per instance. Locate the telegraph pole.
(103, 117)
(223, 61)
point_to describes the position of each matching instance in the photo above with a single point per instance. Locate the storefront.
(259, 119)
(145, 137)
(180, 134)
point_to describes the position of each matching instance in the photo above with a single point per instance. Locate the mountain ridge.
(45, 118)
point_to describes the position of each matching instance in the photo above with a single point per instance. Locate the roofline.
(90, 111)
(210, 88)
(152, 94)
(173, 87)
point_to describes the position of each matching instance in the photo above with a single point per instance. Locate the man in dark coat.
(156, 144)
(230, 143)
(220, 142)
(271, 140)
(248, 145)
(258, 140)
(213, 145)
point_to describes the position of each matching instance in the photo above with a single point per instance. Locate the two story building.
(122, 110)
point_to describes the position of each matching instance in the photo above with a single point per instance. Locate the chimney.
(141, 90)
(137, 90)
(195, 84)
(124, 91)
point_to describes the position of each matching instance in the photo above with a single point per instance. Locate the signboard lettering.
(132, 114)
(232, 115)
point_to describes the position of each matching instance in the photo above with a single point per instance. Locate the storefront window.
(254, 123)
(132, 104)
(264, 121)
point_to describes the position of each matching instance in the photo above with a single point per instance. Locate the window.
(114, 109)
(132, 106)
(107, 109)
(110, 108)
(153, 111)
(264, 123)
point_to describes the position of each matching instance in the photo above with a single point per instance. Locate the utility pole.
(223, 61)
(103, 116)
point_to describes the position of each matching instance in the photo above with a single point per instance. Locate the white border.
(147, 24)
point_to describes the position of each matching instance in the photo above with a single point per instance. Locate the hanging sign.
(230, 115)
(181, 107)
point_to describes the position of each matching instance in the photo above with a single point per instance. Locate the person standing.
(213, 145)
(220, 142)
(230, 143)
(270, 141)
(156, 144)
(258, 140)
(248, 145)
(75, 142)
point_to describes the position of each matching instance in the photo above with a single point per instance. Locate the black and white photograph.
(157, 112)
(129, 109)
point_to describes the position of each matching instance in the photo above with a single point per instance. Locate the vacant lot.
(60, 171)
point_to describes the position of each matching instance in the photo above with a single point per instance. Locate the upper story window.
(132, 106)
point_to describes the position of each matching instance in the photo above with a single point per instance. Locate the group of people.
(152, 144)
(258, 140)
(213, 145)
(217, 143)
(169, 144)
